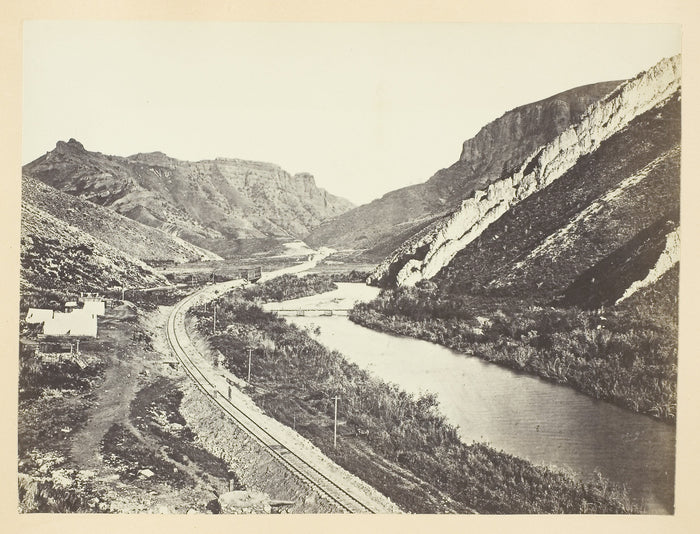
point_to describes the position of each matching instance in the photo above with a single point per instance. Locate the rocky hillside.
(385, 223)
(210, 202)
(567, 268)
(57, 256)
(139, 241)
(568, 205)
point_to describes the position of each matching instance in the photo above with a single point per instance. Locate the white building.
(80, 322)
(38, 315)
(93, 303)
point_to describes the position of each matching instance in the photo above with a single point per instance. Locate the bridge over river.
(314, 312)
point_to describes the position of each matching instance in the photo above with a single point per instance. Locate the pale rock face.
(667, 259)
(541, 168)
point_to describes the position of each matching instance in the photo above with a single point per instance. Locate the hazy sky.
(365, 108)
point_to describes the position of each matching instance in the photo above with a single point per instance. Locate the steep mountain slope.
(55, 255)
(568, 268)
(133, 238)
(210, 201)
(495, 150)
(592, 232)
(424, 255)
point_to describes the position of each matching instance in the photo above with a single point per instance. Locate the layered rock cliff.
(425, 254)
(382, 225)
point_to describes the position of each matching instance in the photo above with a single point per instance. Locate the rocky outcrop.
(221, 199)
(426, 254)
(383, 224)
(55, 255)
(669, 257)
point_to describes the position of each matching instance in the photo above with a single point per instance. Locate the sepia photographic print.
(349, 268)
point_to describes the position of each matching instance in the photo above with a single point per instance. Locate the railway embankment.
(395, 442)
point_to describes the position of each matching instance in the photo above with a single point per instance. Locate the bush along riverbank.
(289, 286)
(626, 355)
(394, 441)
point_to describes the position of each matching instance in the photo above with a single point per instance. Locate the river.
(523, 415)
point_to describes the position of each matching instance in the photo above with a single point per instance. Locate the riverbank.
(627, 356)
(398, 443)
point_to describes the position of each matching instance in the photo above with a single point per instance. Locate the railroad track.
(301, 467)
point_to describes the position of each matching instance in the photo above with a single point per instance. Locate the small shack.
(251, 275)
(93, 303)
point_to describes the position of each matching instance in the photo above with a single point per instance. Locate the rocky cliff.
(382, 225)
(204, 201)
(425, 254)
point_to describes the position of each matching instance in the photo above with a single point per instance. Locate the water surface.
(545, 423)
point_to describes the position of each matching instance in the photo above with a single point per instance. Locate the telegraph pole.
(335, 422)
(250, 357)
(77, 347)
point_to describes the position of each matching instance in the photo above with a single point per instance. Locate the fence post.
(335, 421)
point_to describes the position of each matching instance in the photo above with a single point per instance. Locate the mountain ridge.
(425, 256)
(208, 201)
(496, 148)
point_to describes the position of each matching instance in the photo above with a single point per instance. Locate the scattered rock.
(244, 502)
(146, 473)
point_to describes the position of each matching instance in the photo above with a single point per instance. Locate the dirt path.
(112, 406)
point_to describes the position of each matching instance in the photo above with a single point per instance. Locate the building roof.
(77, 323)
(38, 315)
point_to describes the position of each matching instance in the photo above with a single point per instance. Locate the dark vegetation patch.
(160, 441)
(46, 299)
(397, 442)
(48, 421)
(289, 286)
(626, 355)
(129, 456)
(65, 417)
(151, 299)
(156, 410)
(44, 496)
(354, 276)
(37, 373)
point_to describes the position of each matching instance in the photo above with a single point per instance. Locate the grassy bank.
(625, 354)
(396, 442)
(289, 286)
